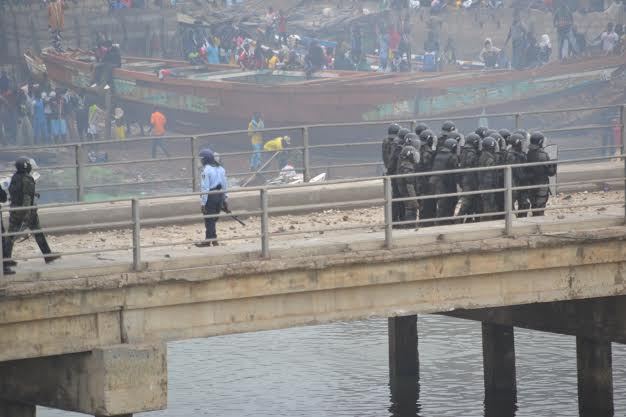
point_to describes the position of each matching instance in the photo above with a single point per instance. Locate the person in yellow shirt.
(272, 62)
(256, 138)
(278, 145)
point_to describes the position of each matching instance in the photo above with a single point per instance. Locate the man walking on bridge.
(213, 179)
(22, 191)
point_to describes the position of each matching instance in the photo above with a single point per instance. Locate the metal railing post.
(622, 120)
(80, 172)
(412, 126)
(194, 169)
(517, 121)
(508, 201)
(265, 237)
(388, 212)
(136, 235)
(108, 111)
(306, 154)
(1, 252)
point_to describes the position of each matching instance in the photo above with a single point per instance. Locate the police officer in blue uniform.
(213, 179)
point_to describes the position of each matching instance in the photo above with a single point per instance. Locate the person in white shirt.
(609, 39)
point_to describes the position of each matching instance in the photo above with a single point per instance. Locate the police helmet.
(472, 140)
(207, 156)
(411, 139)
(427, 136)
(491, 132)
(448, 126)
(420, 128)
(393, 129)
(403, 132)
(522, 132)
(516, 141)
(287, 140)
(481, 132)
(450, 144)
(489, 144)
(454, 135)
(23, 164)
(537, 138)
(505, 133)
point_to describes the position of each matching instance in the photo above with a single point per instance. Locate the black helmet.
(454, 135)
(393, 129)
(411, 139)
(207, 156)
(522, 132)
(427, 136)
(448, 126)
(516, 141)
(481, 132)
(420, 128)
(450, 144)
(505, 133)
(22, 164)
(537, 138)
(472, 140)
(491, 132)
(489, 144)
(403, 132)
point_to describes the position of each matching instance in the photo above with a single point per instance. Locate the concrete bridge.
(89, 335)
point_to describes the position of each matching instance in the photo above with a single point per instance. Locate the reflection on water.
(341, 370)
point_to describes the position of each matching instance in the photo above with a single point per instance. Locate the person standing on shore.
(158, 122)
(256, 138)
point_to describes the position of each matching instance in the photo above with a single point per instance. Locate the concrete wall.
(25, 27)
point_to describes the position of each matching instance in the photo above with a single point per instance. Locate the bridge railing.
(263, 236)
(77, 176)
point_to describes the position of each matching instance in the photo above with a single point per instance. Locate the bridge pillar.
(403, 356)
(499, 369)
(109, 381)
(595, 377)
(13, 409)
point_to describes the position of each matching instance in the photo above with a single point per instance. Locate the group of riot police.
(406, 152)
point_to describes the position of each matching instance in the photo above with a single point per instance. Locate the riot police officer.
(22, 192)
(515, 155)
(481, 131)
(6, 265)
(420, 128)
(448, 126)
(505, 133)
(428, 208)
(488, 180)
(408, 186)
(470, 204)
(392, 132)
(539, 175)
(397, 207)
(446, 159)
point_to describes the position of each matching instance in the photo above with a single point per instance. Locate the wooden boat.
(222, 97)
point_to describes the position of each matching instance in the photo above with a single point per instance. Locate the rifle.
(228, 211)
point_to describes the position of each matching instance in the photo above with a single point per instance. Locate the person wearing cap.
(120, 123)
(213, 179)
(278, 145)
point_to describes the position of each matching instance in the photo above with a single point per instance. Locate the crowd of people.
(406, 152)
(36, 114)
